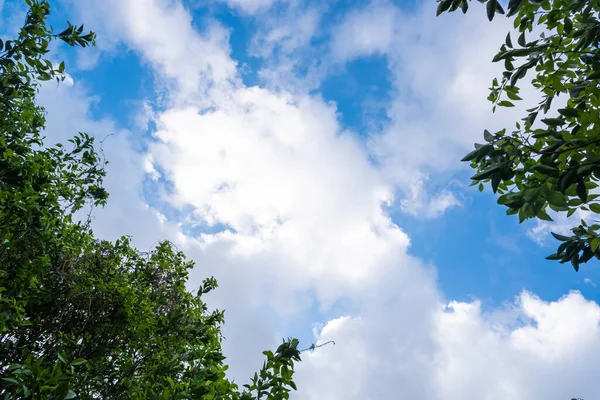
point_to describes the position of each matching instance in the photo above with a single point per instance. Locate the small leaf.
(513, 96)
(557, 199)
(582, 191)
(553, 121)
(478, 153)
(505, 103)
(575, 263)
(508, 41)
(595, 243)
(568, 112)
(443, 6)
(595, 207)
(546, 170)
(568, 25)
(486, 173)
(491, 9)
(560, 237)
(519, 74)
(488, 136)
(567, 179)
(543, 216)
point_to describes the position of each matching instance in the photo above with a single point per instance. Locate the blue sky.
(307, 155)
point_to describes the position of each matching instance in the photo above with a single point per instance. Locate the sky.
(307, 155)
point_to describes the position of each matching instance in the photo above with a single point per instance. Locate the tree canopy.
(82, 317)
(550, 160)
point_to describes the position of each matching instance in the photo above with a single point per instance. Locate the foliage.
(551, 160)
(81, 317)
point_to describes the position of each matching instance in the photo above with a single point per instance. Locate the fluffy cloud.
(367, 31)
(530, 349)
(250, 6)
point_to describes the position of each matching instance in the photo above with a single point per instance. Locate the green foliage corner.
(551, 159)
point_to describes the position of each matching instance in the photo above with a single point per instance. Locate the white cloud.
(287, 32)
(163, 34)
(250, 6)
(419, 203)
(534, 349)
(275, 169)
(367, 31)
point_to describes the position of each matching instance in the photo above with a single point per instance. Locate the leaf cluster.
(551, 159)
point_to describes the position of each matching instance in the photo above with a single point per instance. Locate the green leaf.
(557, 199)
(487, 172)
(568, 112)
(575, 263)
(553, 121)
(595, 207)
(478, 153)
(505, 103)
(546, 170)
(567, 179)
(595, 243)
(562, 238)
(518, 74)
(568, 25)
(582, 191)
(508, 41)
(513, 96)
(488, 136)
(491, 9)
(521, 40)
(443, 6)
(543, 216)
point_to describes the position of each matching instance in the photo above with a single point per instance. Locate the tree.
(82, 317)
(551, 159)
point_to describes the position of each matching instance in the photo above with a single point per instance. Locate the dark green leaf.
(557, 199)
(491, 8)
(543, 216)
(505, 103)
(488, 136)
(508, 41)
(568, 112)
(560, 237)
(553, 121)
(582, 191)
